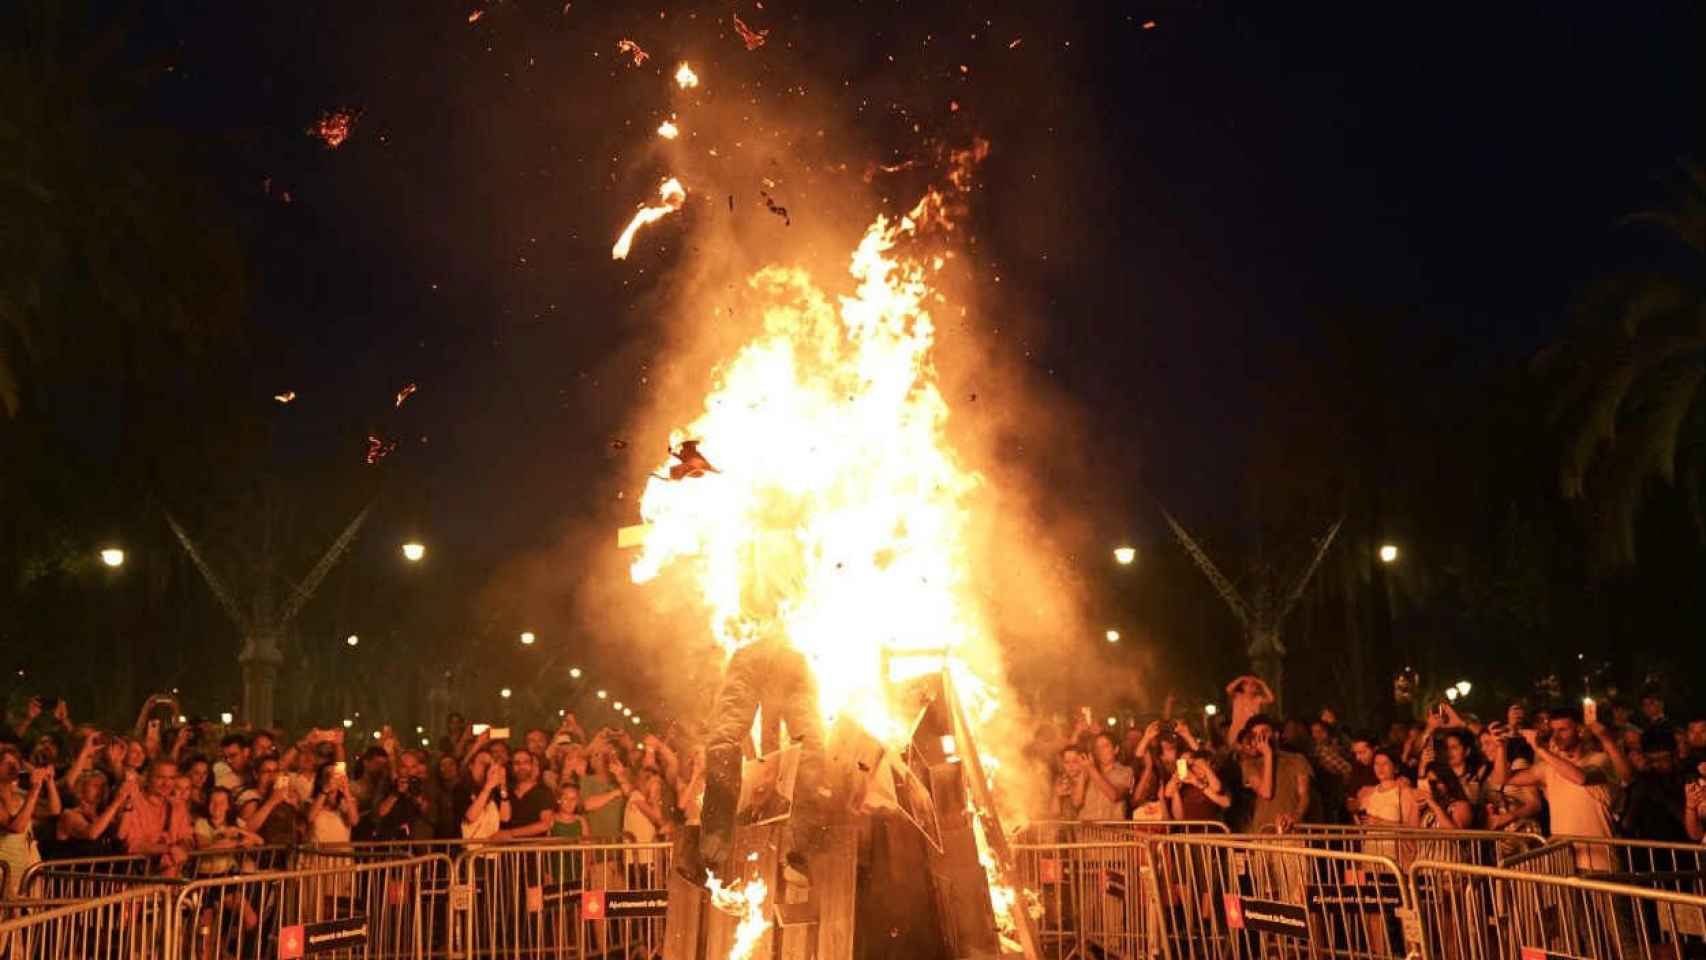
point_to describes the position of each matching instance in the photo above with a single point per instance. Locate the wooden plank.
(962, 885)
(754, 854)
(683, 925)
(835, 879)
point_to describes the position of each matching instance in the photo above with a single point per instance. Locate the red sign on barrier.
(592, 905)
(290, 943)
(1049, 870)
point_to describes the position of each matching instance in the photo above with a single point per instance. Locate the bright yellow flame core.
(673, 195)
(685, 77)
(840, 513)
(746, 901)
(668, 130)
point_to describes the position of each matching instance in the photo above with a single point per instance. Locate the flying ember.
(673, 195)
(630, 47)
(668, 130)
(685, 77)
(334, 127)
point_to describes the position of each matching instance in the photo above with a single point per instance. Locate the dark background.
(1286, 262)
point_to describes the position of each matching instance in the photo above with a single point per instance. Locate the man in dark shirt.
(406, 812)
(531, 803)
(1655, 810)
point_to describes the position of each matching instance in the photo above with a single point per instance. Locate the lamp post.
(1125, 556)
(112, 557)
(413, 551)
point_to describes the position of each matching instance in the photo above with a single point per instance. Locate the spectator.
(217, 829)
(1694, 805)
(88, 829)
(446, 814)
(1199, 795)
(332, 812)
(1107, 782)
(1445, 804)
(1465, 762)
(1513, 808)
(487, 803)
(1581, 784)
(232, 770)
(643, 819)
(1278, 780)
(18, 803)
(1694, 743)
(1332, 767)
(1248, 694)
(568, 822)
(1389, 802)
(531, 803)
(456, 736)
(375, 778)
(1656, 807)
(1068, 797)
(272, 807)
(200, 772)
(410, 810)
(155, 825)
(1361, 774)
(604, 791)
(1653, 710)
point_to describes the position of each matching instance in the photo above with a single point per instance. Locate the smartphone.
(1184, 768)
(282, 781)
(480, 728)
(1590, 711)
(500, 733)
(340, 768)
(1085, 713)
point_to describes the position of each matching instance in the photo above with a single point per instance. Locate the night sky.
(1176, 193)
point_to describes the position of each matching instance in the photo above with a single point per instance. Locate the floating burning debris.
(668, 130)
(673, 195)
(685, 78)
(405, 393)
(334, 127)
(378, 448)
(632, 49)
(285, 397)
(753, 39)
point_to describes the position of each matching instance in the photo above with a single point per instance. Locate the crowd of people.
(1591, 770)
(222, 797)
(177, 792)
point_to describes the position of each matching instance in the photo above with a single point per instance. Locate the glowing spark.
(752, 40)
(633, 49)
(378, 448)
(673, 195)
(474, 15)
(685, 77)
(746, 902)
(668, 130)
(285, 397)
(1149, 24)
(405, 393)
(1015, 44)
(334, 127)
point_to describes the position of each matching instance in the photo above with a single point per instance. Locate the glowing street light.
(1125, 556)
(1113, 636)
(575, 673)
(226, 718)
(627, 711)
(1210, 710)
(505, 692)
(602, 695)
(348, 723)
(352, 640)
(112, 557)
(617, 705)
(634, 720)
(1112, 721)
(1388, 553)
(1463, 688)
(413, 551)
(1451, 694)
(527, 638)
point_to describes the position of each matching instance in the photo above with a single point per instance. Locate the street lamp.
(616, 706)
(1210, 710)
(527, 638)
(1463, 688)
(574, 673)
(1451, 694)
(225, 718)
(1113, 636)
(352, 640)
(1388, 553)
(602, 695)
(1124, 556)
(112, 557)
(627, 711)
(504, 693)
(413, 551)
(348, 723)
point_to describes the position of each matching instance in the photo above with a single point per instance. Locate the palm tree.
(1627, 396)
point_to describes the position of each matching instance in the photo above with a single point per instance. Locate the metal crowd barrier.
(1678, 867)
(557, 899)
(134, 923)
(1470, 912)
(1109, 831)
(369, 910)
(1402, 845)
(99, 876)
(1249, 897)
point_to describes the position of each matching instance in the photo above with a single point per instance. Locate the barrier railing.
(1109, 831)
(1405, 844)
(1220, 897)
(556, 899)
(1469, 911)
(370, 910)
(1679, 867)
(1089, 897)
(134, 924)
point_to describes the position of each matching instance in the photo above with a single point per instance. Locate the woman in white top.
(18, 808)
(218, 830)
(332, 814)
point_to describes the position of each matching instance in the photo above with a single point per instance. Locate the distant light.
(634, 720)
(413, 552)
(668, 130)
(602, 694)
(561, 712)
(1112, 722)
(1125, 555)
(1451, 694)
(225, 718)
(352, 640)
(112, 557)
(617, 705)
(527, 638)
(685, 77)
(627, 711)
(1388, 553)
(1113, 636)
(182, 718)
(348, 723)
(420, 729)
(1463, 687)
(504, 693)
(1210, 710)
(575, 673)
(376, 734)
(425, 742)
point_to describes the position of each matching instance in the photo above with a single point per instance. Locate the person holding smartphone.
(1581, 776)
(1694, 805)
(1195, 792)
